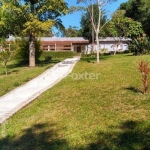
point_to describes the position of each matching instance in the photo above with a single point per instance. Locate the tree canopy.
(17, 16)
(121, 26)
(30, 18)
(138, 10)
(86, 26)
(72, 31)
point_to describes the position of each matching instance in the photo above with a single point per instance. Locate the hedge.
(57, 54)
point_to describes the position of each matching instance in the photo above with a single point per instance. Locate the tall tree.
(122, 6)
(31, 17)
(43, 15)
(86, 22)
(72, 31)
(138, 10)
(96, 23)
(121, 27)
(11, 18)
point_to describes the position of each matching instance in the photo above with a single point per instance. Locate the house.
(75, 44)
(79, 44)
(110, 44)
(114, 44)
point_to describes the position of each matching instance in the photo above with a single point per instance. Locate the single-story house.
(79, 44)
(76, 44)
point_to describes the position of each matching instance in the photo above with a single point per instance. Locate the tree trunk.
(32, 50)
(97, 42)
(92, 41)
(115, 50)
(5, 65)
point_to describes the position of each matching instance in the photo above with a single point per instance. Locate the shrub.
(145, 70)
(104, 50)
(140, 46)
(6, 53)
(57, 54)
(47, 58)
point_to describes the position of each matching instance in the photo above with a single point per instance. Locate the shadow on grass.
(38, 137)
(130, 55)
(94, 59)
(130, 136)
(18, 64)
(133, 89)
(13, 68)
(9, 72)
(45, 62)
(26, 63)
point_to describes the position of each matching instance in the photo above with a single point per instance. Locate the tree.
(37, 16)
(43, 16)
(72, 31)
(86, 23)
(140, 46)
(22, 53)
(122, 6)
(121, 27)
(11, 18)
(6, 54)
(96, 24)
(139, 11)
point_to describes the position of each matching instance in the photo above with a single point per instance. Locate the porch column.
(48, 48)
(55, 46)
(71, 47)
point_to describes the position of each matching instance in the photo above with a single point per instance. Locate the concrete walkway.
(21, 96)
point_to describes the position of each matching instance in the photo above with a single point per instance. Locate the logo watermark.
(84, 76)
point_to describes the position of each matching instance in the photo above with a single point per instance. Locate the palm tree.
(44, 14)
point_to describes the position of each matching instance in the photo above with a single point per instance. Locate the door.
(78, 49)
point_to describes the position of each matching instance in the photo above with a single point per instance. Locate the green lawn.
(19, 74)
(106, 113)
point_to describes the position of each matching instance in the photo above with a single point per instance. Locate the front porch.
(76, 44)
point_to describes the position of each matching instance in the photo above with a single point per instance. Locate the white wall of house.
(113, 46)
(109, 44)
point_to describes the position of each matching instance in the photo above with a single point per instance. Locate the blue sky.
(74, 19)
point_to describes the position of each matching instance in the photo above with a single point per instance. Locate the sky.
(74, 19)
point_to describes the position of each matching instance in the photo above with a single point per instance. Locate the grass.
(19, 74)
(105, 113)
